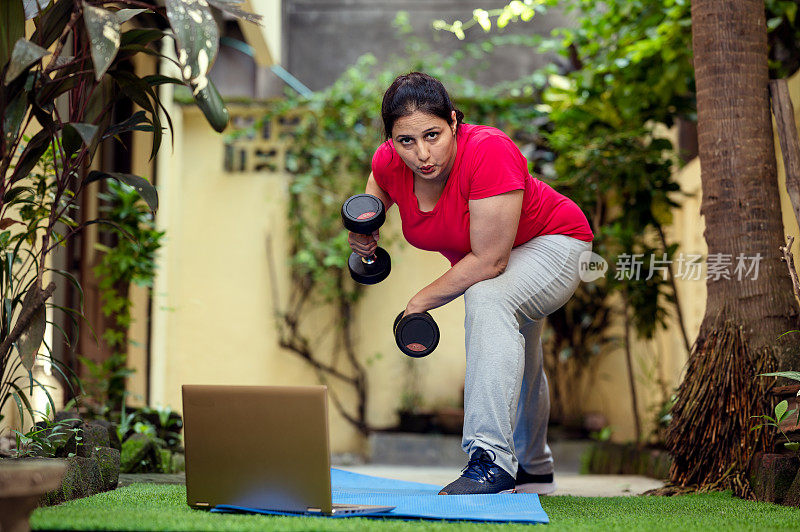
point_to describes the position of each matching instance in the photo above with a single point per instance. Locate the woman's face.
(427, 144)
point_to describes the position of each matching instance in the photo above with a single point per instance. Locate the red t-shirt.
(487, 163)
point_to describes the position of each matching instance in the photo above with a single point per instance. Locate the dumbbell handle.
(369, 259)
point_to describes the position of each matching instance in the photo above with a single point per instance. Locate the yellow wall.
(212, 309)
(663, 358)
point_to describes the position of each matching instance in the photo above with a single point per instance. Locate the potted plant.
(60, 85)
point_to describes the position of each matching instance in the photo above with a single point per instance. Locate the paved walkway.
(568, 483)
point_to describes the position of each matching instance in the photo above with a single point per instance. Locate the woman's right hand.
(363, 245)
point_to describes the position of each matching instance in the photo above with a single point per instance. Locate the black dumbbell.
(417, 335)
(363, 214)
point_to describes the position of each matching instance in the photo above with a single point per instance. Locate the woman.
(513, 243)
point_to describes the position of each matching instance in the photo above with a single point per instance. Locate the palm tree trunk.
(745, 313)
(740, 202)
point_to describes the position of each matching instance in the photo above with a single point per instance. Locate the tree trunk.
(740, 202)
(745, 313)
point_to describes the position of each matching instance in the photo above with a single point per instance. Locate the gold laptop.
(263, 447)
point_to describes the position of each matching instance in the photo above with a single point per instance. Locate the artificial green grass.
(163, 507)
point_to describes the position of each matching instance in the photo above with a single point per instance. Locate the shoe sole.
(545, 488)
(498, 493)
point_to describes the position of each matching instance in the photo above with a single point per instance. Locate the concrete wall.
(323, 38)
(316, 41)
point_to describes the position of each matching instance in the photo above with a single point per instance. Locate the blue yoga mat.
(418, 500)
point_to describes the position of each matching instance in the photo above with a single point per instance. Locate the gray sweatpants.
(506, 400)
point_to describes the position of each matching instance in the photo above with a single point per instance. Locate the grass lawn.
(163, 507)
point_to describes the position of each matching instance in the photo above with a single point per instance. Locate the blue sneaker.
(481, 476)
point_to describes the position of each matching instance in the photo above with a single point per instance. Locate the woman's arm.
(375, 189)
(365, 245)
(493, 224)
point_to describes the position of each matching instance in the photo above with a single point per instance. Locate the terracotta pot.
(22, 483)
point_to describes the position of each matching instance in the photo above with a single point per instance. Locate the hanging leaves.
(15, 113)
(30, 155)
(76, 132)
(210, 102)
(231, 7)
(31, 339)
(145, 189)
(124, 15)
(51, 23)
(34, 7)
(197, 39)
(103, 27)
(25, 54)
(12, 27)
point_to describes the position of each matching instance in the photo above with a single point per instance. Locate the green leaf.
(145, 189)
(25, 54)
(86, 131)
(31, 154)
(196, 40)
(31, 339)
(103, 28)
(34, 7)
(230, 7)
(791, 12)
(12, 28)
(21, 399)
(53, 89)
(14, 114)
(210, 102)
(140, 36)
(124, 15)
(155, 80)
(794, 375)
(52, 23)
(134, 123)
(792, 445)
(76, 132)
(13, 193)
(780, 410)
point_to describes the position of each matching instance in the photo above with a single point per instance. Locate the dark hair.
(416, 91)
